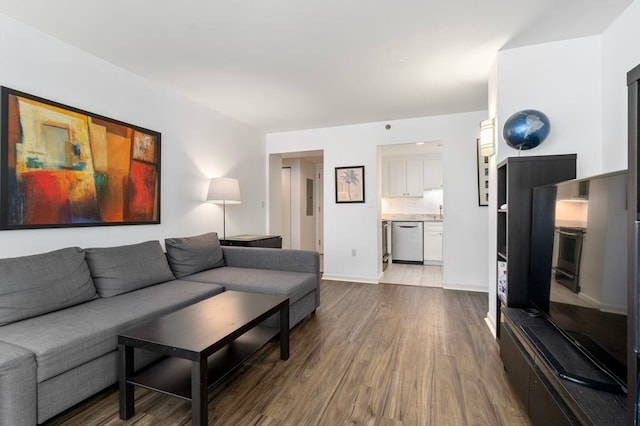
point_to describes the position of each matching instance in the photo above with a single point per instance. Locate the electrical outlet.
(353, 252)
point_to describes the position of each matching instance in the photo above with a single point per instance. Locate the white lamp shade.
(487, 147)
(224, 190)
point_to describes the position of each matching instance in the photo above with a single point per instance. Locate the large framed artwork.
(350, 184)
(64, 167)
(483, 177)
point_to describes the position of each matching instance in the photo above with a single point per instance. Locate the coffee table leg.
(125, 372)
(284, 331)
(199, 415)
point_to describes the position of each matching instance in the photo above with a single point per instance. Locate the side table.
(251, 240)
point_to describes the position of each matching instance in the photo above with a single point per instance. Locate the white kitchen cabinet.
(405, 178)
(433, 243)
(432, 173)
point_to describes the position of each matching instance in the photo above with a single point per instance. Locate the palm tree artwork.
(350, 184)
(349, 177)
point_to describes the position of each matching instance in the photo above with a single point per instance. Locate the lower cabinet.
(537, 397)
(516, 364)
(433, 243)
(543, 406)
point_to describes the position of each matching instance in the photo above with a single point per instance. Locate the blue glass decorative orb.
(526, 129)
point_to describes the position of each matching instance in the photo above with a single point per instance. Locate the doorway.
(412, 191)
(296, 212)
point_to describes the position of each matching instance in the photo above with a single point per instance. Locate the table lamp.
(224, 191)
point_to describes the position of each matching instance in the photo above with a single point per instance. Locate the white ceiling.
(295, 64)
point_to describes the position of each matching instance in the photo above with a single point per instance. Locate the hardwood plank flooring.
(371, 355)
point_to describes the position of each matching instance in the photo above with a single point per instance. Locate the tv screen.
(579, 265)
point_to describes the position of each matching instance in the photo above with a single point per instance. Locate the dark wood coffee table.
(204, 342)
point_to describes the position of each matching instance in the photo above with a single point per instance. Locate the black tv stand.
(567, 361)
(555, 381)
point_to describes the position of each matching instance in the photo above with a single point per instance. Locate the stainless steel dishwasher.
(407, 242)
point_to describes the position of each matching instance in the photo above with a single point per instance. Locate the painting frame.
(483, 176)
(349, 184)
(63, 167)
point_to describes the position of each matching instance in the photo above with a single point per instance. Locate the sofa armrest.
(268, 258)
(276, 259)
(18, 387)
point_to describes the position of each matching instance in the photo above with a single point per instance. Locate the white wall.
(563, 80)
(620, 54)
(492, 228)
(197, 143)
(581, 85)
(356, 226)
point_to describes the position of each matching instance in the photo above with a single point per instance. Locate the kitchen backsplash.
(429, 204)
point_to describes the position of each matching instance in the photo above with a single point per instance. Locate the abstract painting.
(63, 167)
(350, 184)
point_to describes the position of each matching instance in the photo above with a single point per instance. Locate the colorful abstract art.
(63, 167)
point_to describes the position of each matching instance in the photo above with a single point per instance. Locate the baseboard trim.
(350, 278)
(464, 287)
(491, 323)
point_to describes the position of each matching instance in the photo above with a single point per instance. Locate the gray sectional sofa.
(60, 312)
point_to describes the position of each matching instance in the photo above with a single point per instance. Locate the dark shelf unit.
(516, 178)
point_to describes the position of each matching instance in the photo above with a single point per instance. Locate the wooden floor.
(372, 355)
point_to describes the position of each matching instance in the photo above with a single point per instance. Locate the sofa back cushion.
(189, 255)
(41, 283)
(117, 270)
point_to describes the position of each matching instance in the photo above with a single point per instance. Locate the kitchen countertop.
(412, 217)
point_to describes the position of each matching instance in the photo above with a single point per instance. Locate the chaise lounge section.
(61, 311)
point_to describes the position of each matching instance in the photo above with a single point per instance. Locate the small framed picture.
(350, 184)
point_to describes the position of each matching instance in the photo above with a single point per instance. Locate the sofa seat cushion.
(40, 283)
(117, 270)
(70, 337)
(295, 285)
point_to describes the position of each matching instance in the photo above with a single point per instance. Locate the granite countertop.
(413, 217)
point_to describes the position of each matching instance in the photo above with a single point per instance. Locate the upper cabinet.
(410, 176)
(405, 178)
(432, 173)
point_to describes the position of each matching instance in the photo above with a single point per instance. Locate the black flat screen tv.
(579, 267)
